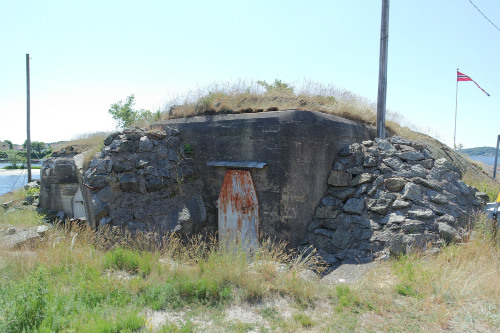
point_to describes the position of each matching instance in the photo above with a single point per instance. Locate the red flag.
(463, 77)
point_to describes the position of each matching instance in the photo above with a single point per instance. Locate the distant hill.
(478, 151)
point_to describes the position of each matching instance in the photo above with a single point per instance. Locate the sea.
(14, 179)
(485, 159)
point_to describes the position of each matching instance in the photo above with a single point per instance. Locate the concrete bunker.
(318, 180)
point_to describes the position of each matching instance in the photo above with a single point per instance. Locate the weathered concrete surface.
(59, 183)
(298, 147)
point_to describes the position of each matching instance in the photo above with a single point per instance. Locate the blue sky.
(86, 55)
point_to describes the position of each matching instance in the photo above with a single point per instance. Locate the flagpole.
(455, 131)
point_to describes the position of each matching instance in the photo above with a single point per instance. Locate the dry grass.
(249, 97)
(242, 97)
(204, 287)
(83, 142)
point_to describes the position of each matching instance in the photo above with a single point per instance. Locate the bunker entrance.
(238, 206)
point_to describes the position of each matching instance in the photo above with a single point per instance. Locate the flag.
(463, 77)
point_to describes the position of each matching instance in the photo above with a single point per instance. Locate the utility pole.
(28, 140)
(382, 76)
(496, 158)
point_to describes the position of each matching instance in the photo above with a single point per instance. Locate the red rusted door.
(239, 210)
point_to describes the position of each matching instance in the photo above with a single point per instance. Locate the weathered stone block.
(339, 178)
(354, 206)
(412, 192)
(395, 184)
(362, 179)
(327, 212)
(129, 182)
(394, 163)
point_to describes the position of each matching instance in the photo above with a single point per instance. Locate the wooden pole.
(382, 77)
(455, 131)
(496, 158)
(28, 139)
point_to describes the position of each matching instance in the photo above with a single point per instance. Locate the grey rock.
(418, 242)
(324, 232)
(385, 147)
(375, 185)
(441, 166)
(412, 192)
(339, 178)
(438, 198)
(361, 190)
(331, 201)
(396, 140)
(328, 258)
(396, 245)
(145, 144)
(384, 168)
(343, 194)
(413, 226)
(395, 184)
(427, 163)
(400, 204)
(327, 212)
(418, 171)
(447, 232)
(123, 166)
(482, 198)
(411, 156)
(421, 214)
(394, 163)
(367, 143)
(379, 206)
(129, 182)
(429, 183)
(315, 224)
(393, 218)
(338, 166)
(341, 238)
(61, 216)
(354, 206)
(369, 161)
(448, 219)
(362, 179)
(356, 170)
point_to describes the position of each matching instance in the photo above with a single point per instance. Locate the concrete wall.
(59, 183)
(298, 146)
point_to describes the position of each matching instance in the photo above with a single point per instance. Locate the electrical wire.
(484, 15)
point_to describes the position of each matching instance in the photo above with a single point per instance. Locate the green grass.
(129, 260)
(83, 288)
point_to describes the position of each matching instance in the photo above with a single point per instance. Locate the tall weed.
(24, 304)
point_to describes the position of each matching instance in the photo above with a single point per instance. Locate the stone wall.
(389, 196)
(145, 180)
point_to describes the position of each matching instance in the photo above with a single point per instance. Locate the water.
(485, 159)
(14, 179)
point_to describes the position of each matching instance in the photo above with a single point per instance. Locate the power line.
(484, 15)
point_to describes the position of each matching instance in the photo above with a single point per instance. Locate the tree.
(126, 115)
(11, 146)
(36, 146)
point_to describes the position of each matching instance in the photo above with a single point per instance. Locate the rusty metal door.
(239, 210)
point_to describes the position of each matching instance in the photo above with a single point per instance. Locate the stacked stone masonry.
(145, 180)
(389, 196)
